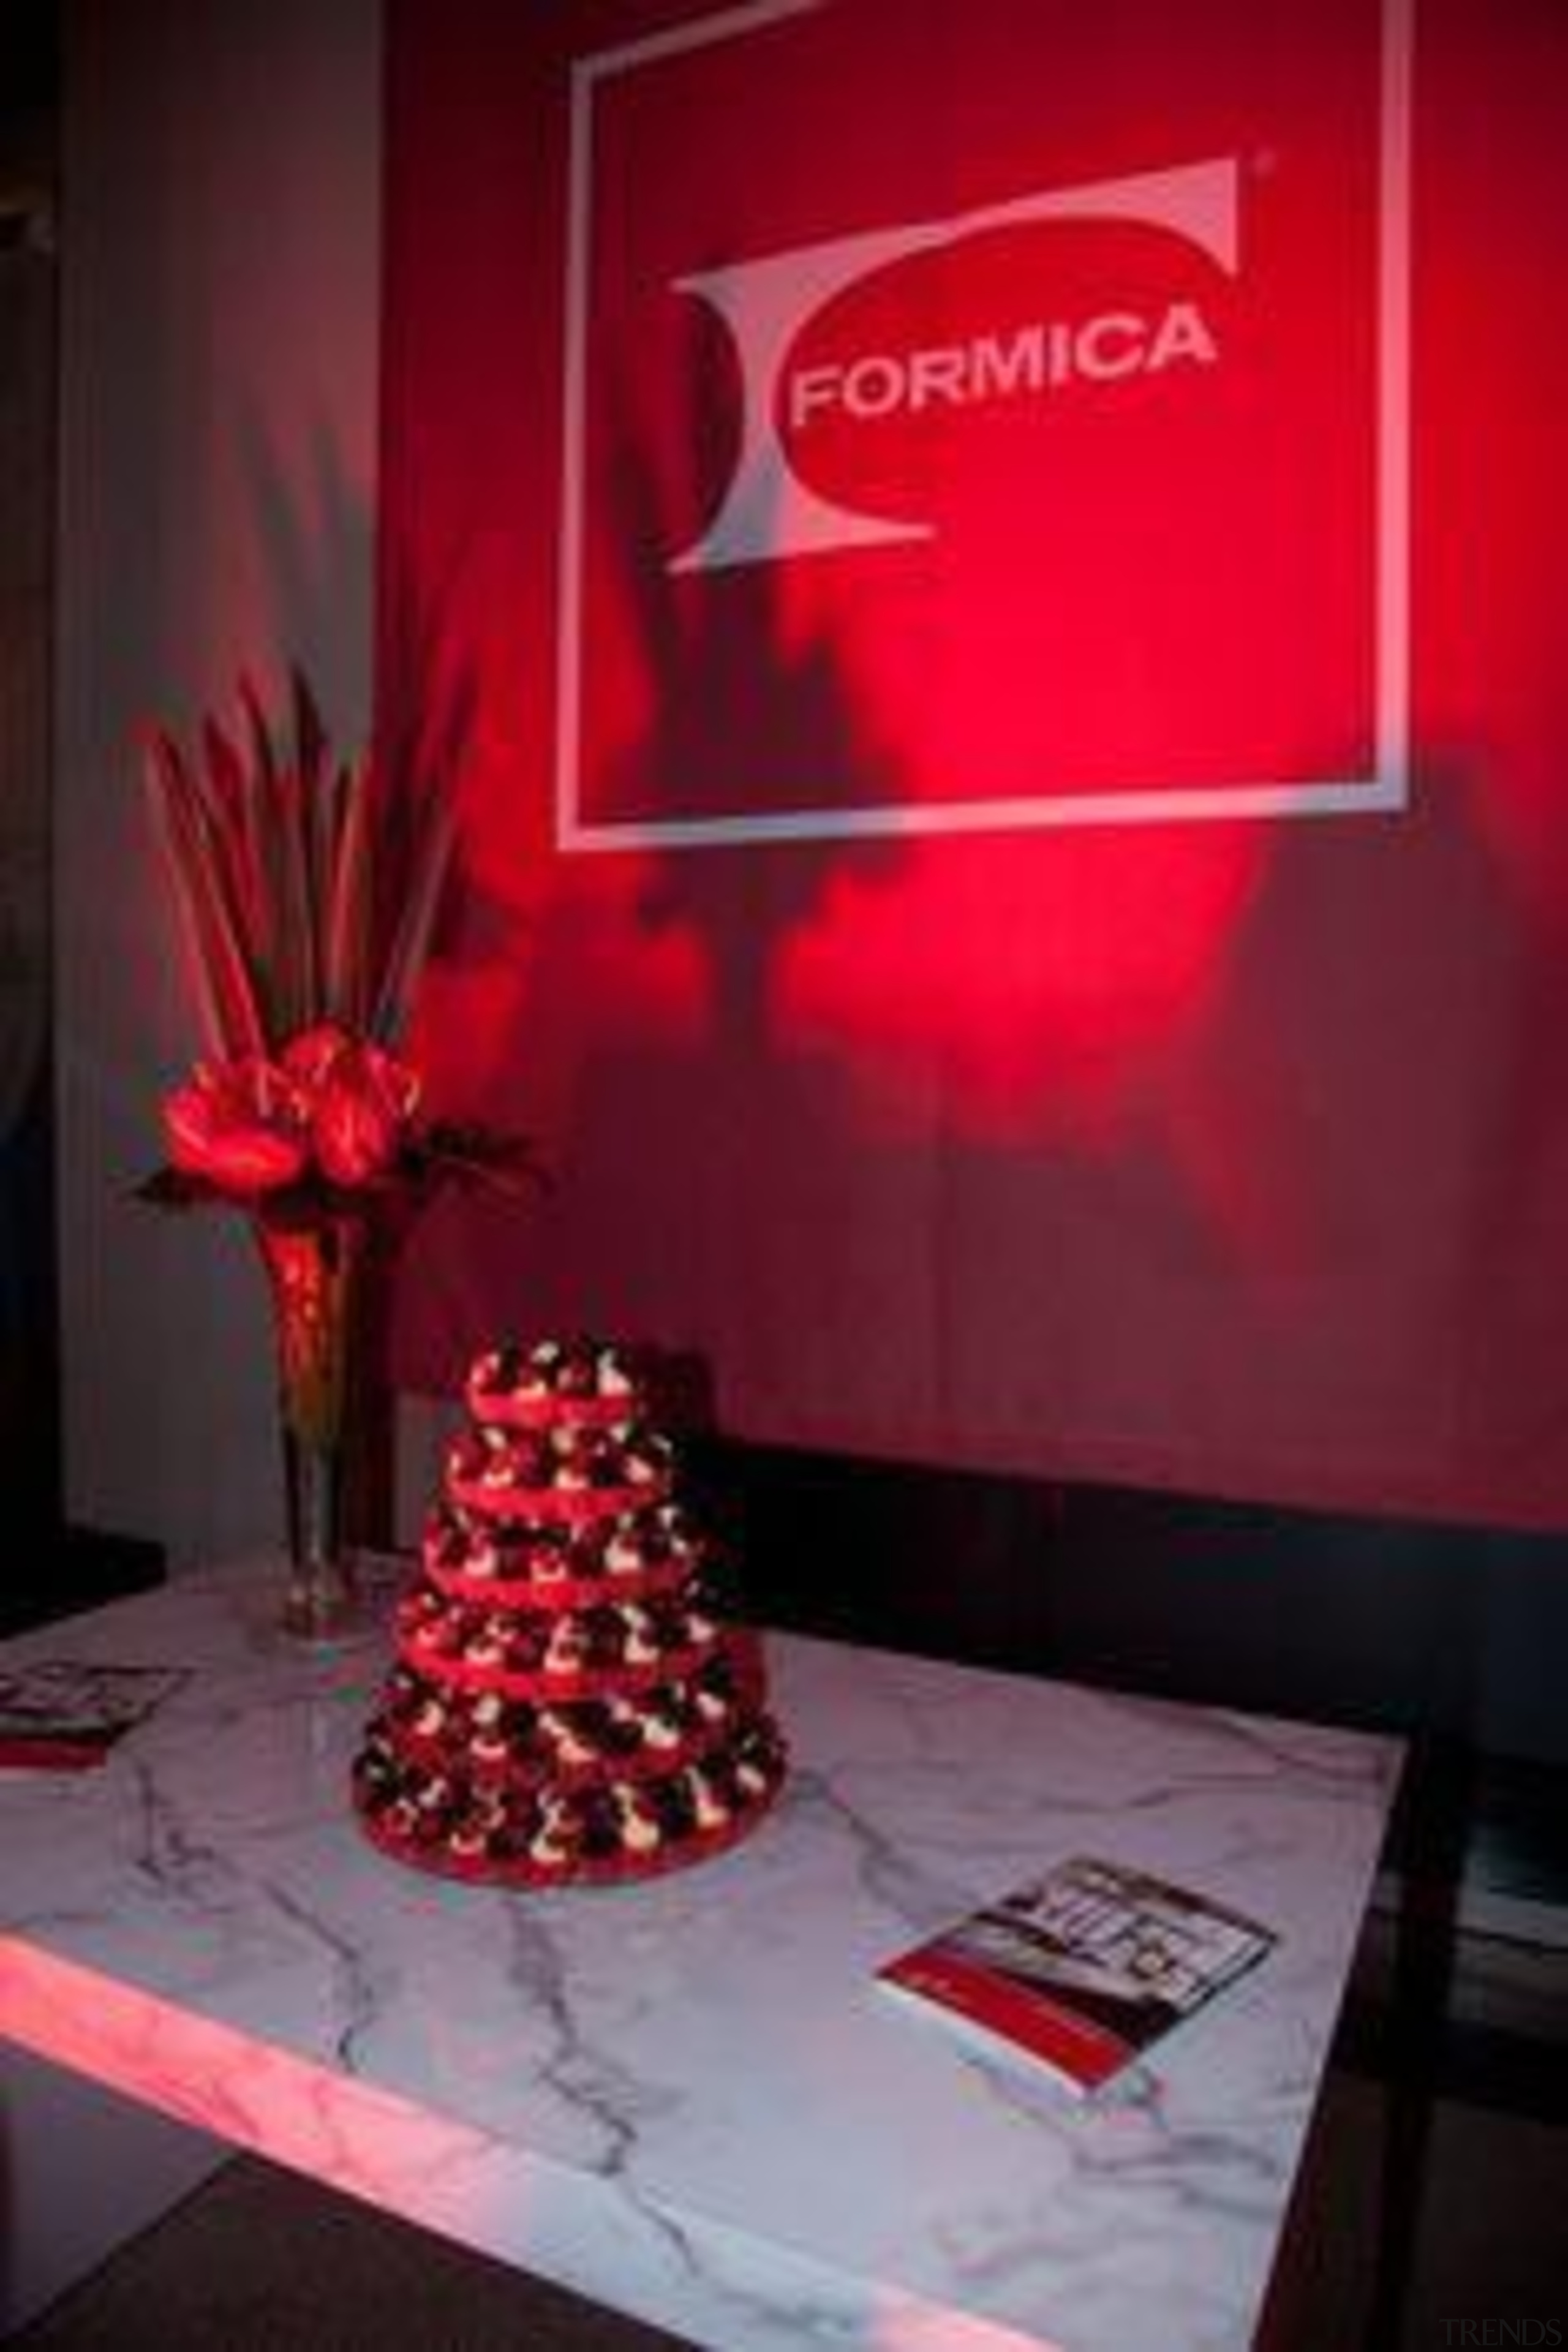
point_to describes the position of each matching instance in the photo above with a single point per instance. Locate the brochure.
(1083, 1969)
(60, 1714)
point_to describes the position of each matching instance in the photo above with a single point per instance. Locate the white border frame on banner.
(1387, 790)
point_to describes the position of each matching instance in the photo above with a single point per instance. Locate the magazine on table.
(1083, 1969)
(60, 1714)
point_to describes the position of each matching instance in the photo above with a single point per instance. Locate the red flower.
(239, 1124)
(360, 1103)
(309, 1055)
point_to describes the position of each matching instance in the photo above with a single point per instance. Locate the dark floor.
(261, 2261)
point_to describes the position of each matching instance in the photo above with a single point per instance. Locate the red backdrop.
(990, 571)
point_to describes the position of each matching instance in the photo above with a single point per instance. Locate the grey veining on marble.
(688, 2099)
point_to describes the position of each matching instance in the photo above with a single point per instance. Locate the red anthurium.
(360, 1103)
(309, 1057)
(239, 1124)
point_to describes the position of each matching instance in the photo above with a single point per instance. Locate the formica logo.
(770, 512)
(1034, 453)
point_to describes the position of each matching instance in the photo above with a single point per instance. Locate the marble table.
(689, 2100)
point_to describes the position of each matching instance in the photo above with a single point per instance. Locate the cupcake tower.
(564, 1707)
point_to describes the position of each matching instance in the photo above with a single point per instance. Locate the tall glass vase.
(318, 1274)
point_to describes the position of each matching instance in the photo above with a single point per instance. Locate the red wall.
(1147, 1063)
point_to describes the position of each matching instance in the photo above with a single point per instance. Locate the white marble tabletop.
(688, 2099)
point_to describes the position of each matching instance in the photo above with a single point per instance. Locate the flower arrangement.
(306, 915)
(304, 953)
